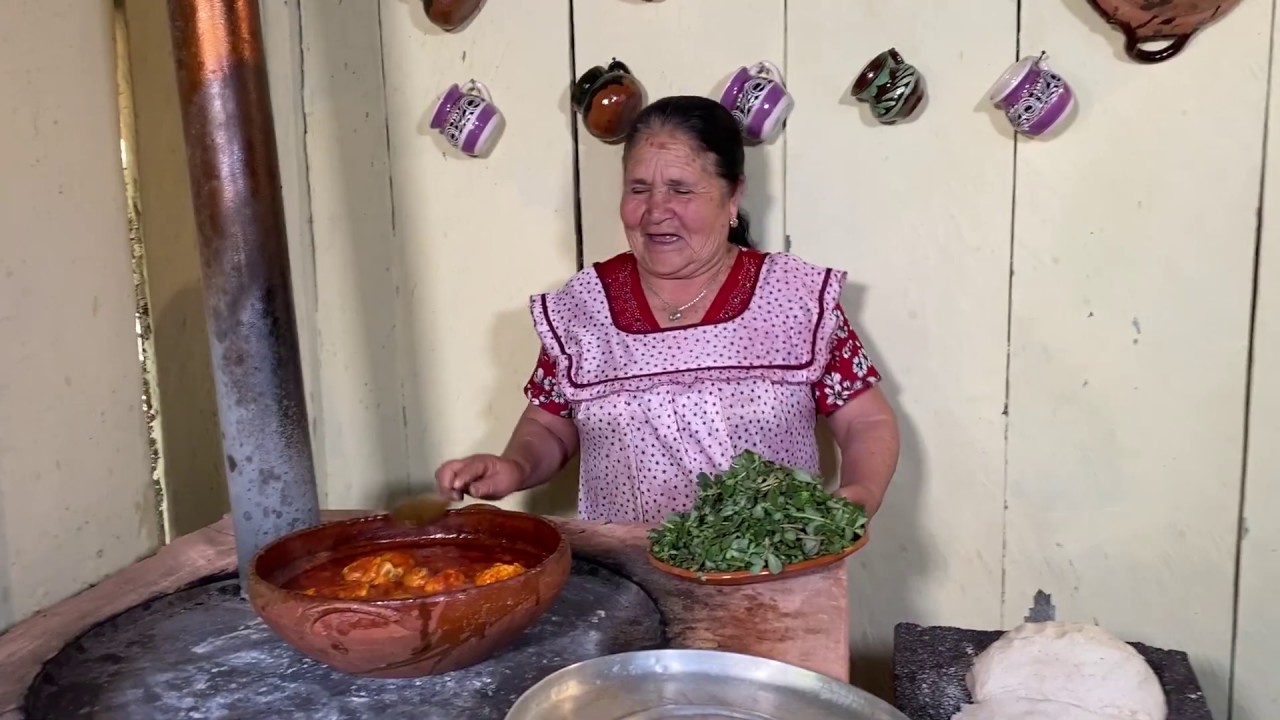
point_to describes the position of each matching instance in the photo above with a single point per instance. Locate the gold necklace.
(674, 314)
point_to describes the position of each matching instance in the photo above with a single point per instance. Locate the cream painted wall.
(1256, 696)
(187, 428)
(1065, 325)
(919, 216)
(76, 500)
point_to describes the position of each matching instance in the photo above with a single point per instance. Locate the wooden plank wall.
(1256, 695)
(76, 496)
(476, 238)
(1064, 325)
(919, 216)
(1132, 271)
(676, 48)
(357, 268)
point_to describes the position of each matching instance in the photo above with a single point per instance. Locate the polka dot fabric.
(653, 410)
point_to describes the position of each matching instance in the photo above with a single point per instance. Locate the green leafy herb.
(757, 515)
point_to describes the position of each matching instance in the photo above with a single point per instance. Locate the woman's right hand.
(484, 477)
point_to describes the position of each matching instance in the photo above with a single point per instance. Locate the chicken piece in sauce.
(444, 581)
(416, 577)
(498, 571)
(380, 568)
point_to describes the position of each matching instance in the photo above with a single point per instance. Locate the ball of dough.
(1081, 665)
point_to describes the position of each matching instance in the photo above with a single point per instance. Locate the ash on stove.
(203, 654)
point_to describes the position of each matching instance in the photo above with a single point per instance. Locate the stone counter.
(802, 621)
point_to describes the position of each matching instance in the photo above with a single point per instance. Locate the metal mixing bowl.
(695, 685)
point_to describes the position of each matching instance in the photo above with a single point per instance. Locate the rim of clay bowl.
(562, 544)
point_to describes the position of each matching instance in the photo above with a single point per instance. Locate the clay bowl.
(420, 636)
(745, 577)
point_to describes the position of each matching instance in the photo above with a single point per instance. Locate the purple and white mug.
(1032, 97)
(467, 118)
(759, 101)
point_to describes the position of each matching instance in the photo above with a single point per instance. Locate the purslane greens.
(757, 515)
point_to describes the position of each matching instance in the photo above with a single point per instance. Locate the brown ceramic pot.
(418, 636)
(609, 99)
(450, 15)
(1170, 21)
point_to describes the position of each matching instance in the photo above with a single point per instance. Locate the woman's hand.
(485, 477)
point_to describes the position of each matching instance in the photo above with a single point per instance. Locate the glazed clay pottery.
(467, 118)
(892, 87)
(418, 636)
(759, 101)
(1033, 98)
(609, 99)
(450, 15)
(745, 577)
(1155, 21)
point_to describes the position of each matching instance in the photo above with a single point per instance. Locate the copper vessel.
(1154, 21)
(449, 15)
(418, 636)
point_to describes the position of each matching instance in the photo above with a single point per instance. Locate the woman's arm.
(866, 431)
(541, 444)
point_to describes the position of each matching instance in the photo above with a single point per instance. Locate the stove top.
(203, 654)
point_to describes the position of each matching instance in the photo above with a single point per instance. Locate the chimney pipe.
(244, 264)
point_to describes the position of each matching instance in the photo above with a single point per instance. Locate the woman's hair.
(709, 126)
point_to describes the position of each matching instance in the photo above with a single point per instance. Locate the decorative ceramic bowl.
(609, 99)
(449, 15)
(746, 577)
(412, 637)
(1170, 21)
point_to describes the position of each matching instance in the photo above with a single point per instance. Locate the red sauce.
(402, 570)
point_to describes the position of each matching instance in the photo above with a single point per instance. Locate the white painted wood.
(76, 501)
(676, 48)
(1256, 694)
(1133, 263)
(282, 39)
(919, 216)
(476, 237)
(356, 260)
(191, 465)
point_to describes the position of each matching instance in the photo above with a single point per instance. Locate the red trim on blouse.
(848, 373)
(630, 310)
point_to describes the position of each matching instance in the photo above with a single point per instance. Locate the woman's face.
(675, 209)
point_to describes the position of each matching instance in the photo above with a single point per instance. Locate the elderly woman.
(668, 360)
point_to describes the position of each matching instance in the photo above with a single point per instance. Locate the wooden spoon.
(420, 510)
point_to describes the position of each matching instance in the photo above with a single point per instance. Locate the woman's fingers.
(455, 476)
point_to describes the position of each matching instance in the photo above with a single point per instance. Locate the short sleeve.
(543, 389)
(849, 371)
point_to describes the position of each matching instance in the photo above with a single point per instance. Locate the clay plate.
(744, 577)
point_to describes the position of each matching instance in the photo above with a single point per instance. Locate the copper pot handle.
(315, 615)
(1133, 49)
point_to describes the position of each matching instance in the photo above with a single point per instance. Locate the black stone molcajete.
(202, 653)
(929, 665)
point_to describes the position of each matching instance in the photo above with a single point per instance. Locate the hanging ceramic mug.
(759, 101)
(1172, 21)
(892, 87)
(467, 118)
(609, 100)
(449, 15)
(1032, 97)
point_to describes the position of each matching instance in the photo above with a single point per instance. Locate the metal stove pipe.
(244, 263)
